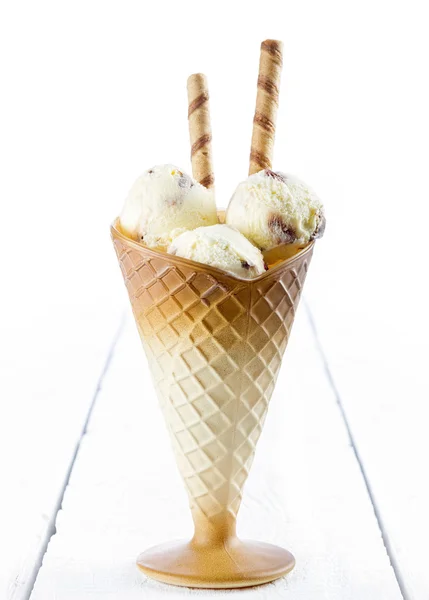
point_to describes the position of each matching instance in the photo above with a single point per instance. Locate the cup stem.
(216, 531)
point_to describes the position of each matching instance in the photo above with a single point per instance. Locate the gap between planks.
(51, 530)
(377, 511)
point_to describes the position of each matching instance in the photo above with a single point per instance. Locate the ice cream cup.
(214, 343)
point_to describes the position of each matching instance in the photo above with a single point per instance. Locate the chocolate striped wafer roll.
(267, 99)
(200, 130)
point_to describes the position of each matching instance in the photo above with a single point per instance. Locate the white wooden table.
(103, 486)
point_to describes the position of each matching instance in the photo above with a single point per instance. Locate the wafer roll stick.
(200, 130)
(267, 99)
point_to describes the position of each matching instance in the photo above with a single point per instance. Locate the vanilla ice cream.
(220, 246)
(272, 208)
(163, 203)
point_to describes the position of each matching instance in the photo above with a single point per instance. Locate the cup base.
(233, 564)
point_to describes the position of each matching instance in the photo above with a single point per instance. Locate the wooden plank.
(305, 491)
(368, 293)
(40, 425)
(50, 364)
(375, 343)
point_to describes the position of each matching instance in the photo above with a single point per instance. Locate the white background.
(93, 93)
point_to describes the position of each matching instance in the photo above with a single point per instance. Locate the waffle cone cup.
(214, 345)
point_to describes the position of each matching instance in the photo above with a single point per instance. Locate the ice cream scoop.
(220, 246)
(272, 208)
(163, 203)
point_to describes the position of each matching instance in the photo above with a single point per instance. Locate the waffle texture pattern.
(214, 345)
